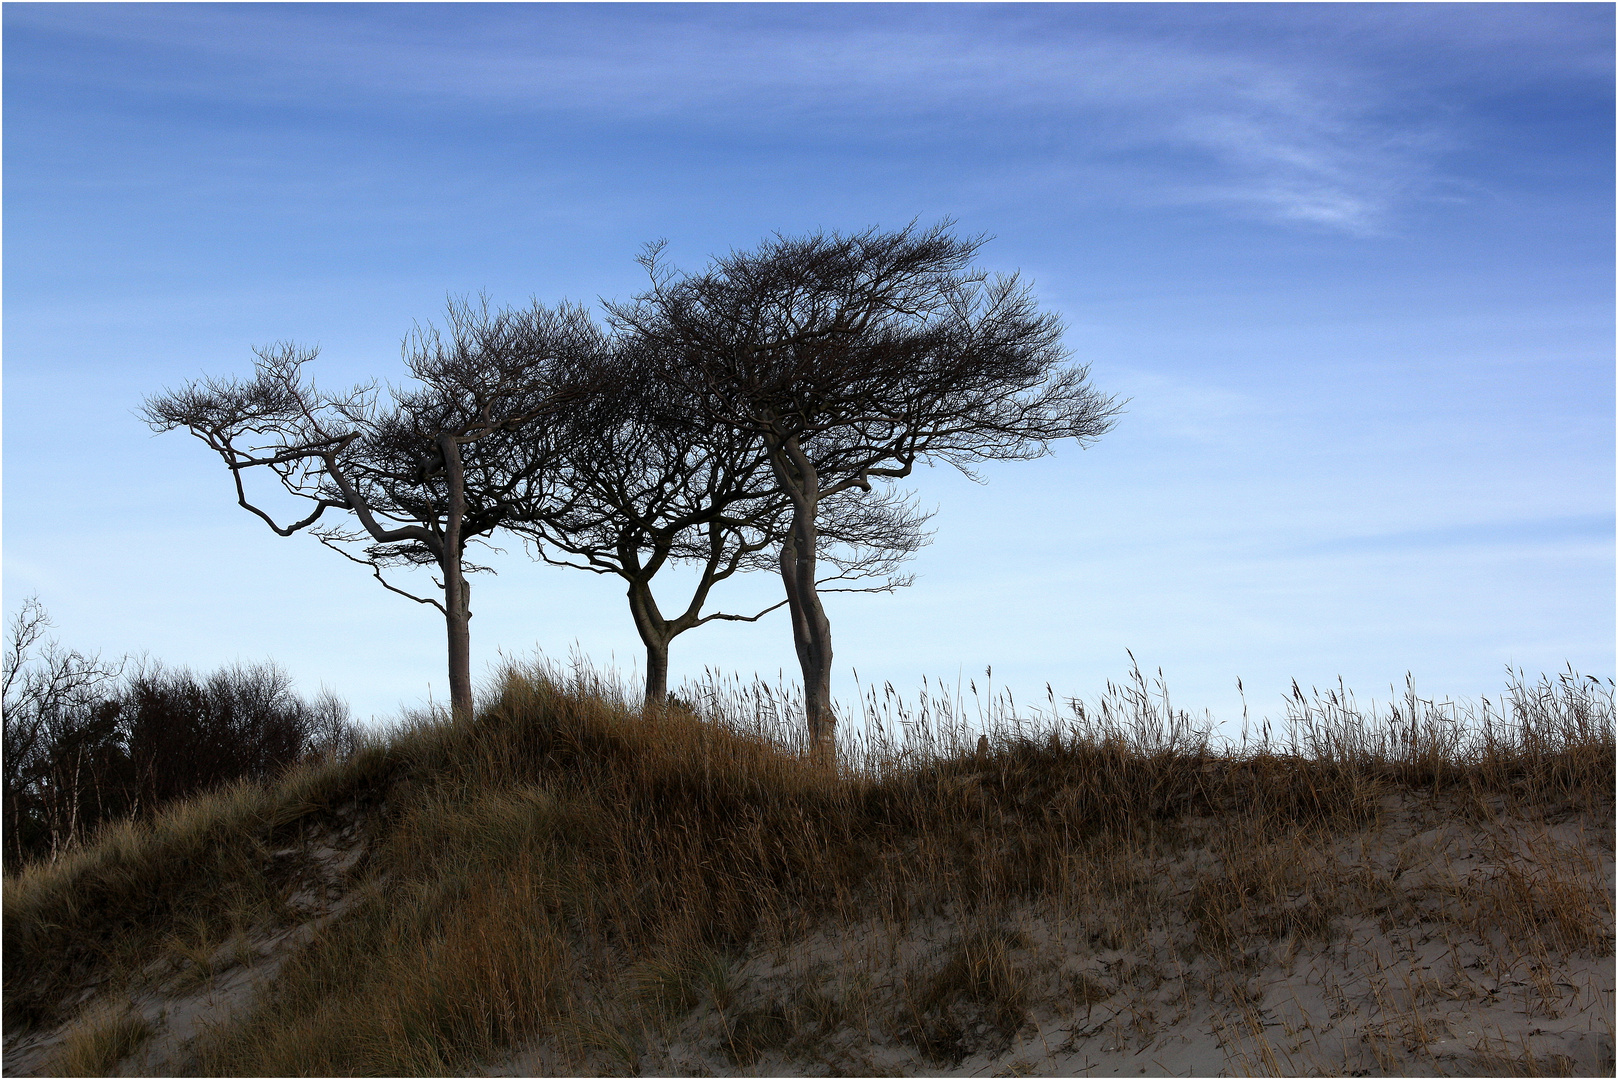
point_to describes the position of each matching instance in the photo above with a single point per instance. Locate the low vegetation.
(89, 741)
(568, 883)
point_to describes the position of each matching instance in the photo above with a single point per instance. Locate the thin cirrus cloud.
(1308, 166)
(1260, 133)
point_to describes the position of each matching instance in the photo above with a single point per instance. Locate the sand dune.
(1407, 985)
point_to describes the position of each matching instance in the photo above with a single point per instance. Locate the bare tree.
(652, 484)
(438, 467)
(53, 706)
(848, 359)
(88, 741)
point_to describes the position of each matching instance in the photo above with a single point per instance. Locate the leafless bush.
(89, 741)
(186, 734)
(57, 726)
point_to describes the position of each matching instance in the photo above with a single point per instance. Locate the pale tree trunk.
(811, 631)
(458, 621)
(656, 632)
(457, 591)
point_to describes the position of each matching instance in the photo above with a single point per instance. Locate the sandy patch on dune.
(178, 995)
(1459, 949)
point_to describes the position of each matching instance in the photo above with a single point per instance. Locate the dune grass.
(100, 1041)
(572, 869)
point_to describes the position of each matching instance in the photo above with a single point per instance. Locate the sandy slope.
(1414, 976)
(1379, 996)
(179, 1000)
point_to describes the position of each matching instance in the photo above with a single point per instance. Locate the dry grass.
(98, 1041)
(975, 998)
(573, 873)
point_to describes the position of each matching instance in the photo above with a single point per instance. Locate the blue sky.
(1351, 264)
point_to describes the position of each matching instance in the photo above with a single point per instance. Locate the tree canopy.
(848, 358)
(755, 414)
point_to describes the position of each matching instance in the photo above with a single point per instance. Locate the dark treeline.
(755, 415)
(88, 742)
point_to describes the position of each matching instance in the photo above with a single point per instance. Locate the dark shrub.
(87, 742)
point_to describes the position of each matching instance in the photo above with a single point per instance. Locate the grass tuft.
(974, 1000)
(99, 1041)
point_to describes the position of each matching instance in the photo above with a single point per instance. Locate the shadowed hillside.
(567, 884)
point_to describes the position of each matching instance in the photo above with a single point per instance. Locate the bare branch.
(376, 571)
(720, 615)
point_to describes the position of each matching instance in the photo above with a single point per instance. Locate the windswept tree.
(422, 475)
(651, 483)
(850, 358)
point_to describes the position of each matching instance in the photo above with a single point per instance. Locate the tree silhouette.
(437, 467)
(650, 484)
(850, 358)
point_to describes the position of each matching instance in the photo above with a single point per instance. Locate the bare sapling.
(54, 711)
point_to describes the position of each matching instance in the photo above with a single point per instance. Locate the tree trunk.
(811, 631)
(457, 591)
(458, 622)
(656, 633)
(811, 635)
(657, 672)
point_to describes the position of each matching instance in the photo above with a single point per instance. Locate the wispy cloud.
(1294, 134)
(1187, 410)
(1311, 162)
